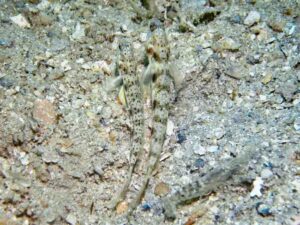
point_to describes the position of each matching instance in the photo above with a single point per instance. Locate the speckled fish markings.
(133, 97)
(212, 181)
(158, 75)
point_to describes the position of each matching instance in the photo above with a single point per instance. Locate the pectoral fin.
(122, 96)
(113, 83)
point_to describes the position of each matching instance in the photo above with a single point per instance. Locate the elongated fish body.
(132, 95)
(211, 182)
(157, 75)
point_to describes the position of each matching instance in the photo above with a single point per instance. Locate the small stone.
(296, 101)
(288, 89)
(44, 111)
(170, 128)
(219, 133)
(277, 24)
(101, 66)
(6, 43)
(146, 207)
(50, 156)
(253, 59)
(297, 124)
(143, 37)
(180, 136)
(58, 44)
(30, 68)
(122, 207)
(24, 158)
(200, 150)
(161, 189)
(266, 173)
(205, 41)
(252, 18)
(71, 219)
(6, 83)
(257, 186)
(184, 180)
(236, 19)
(98, 66)
(236, 71)
(98, 169)
(65, 66)
(268, 165)
(263, 209)
(226, 44)
(76, 173)
(213, 148)
(267, 78)
(80, 61)
(290, 28)
(79, 32)
(21, 21)
(50, 215)
(178, 154)
(106, 112)
(263, 98)
(124, 28)
(199, 163)
(43, 5)
(23, 183)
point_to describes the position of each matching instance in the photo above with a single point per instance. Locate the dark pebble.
(217, 218)
(181, 136)
(146, 207)
(199, 163)
(198, 49)
(252, 60)
(268, 165)
(20, 5)
(263, 209)
(236, 19)
(6, 83)
(50, 34)
(103, 122)
(5, 43)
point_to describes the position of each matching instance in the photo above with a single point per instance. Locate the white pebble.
(143, 37)
(252, 18)
(213, 148)
(124, 28)
(297, 124)
(71, 219)
(170, 128)
(65, 66)
(219, 133)
(257, 186)
(43, 5)
(80, 61)
(184, 180)
(24, 158)
(266, 173)
(200, 150)
(79, 32)
(178, 154)
(20, 20)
